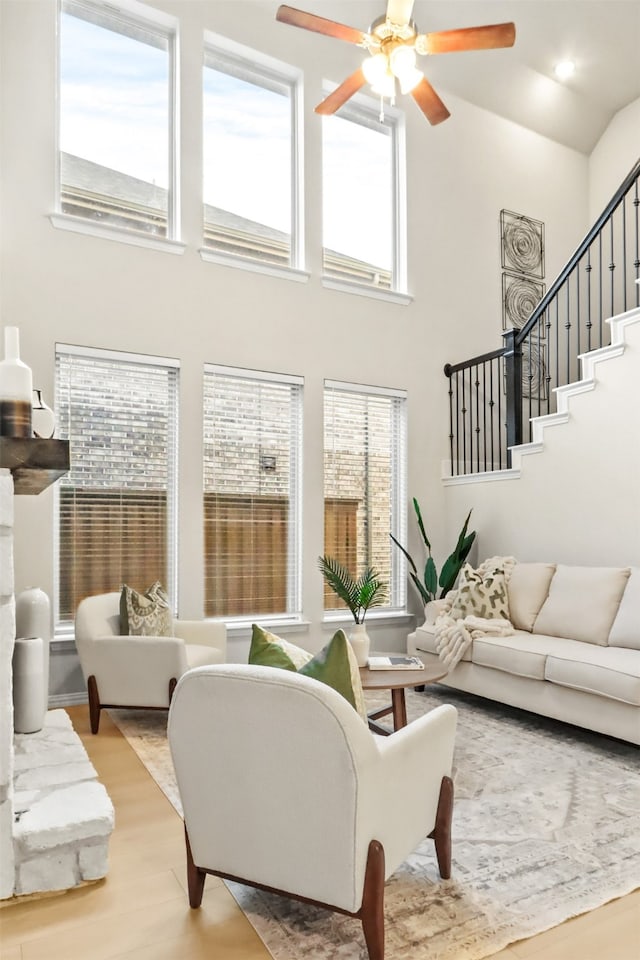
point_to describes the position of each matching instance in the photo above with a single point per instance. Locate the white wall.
(617, 151)
(577, 500)
(60, 286)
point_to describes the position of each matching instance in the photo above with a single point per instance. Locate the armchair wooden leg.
(195, 876)
(172, 686)
(372, 910)
(94, 703)
(442, 830)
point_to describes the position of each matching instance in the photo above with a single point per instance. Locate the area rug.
(546, 826)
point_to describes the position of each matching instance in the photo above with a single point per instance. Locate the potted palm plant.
(359, 594)
(428, 584)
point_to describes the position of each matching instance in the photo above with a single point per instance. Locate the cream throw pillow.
(481, 595)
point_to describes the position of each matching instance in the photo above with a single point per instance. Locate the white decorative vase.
(28, 685)
(43, 417)
(359, 640)
(33, 619)
(15, 389)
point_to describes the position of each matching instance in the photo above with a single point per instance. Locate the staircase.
(570, 494)
(503, 403)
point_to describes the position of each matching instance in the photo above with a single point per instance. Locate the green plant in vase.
(428, 585)
(359, 594)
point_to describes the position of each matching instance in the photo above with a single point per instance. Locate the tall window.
(116, 116)
(252, 475)
(251, 163)
(364, 482)
(117, 504)
(363, 197)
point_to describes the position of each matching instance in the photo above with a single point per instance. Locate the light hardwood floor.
(140, 912)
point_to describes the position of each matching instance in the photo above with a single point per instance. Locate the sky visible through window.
(114, 111)
(114, 101)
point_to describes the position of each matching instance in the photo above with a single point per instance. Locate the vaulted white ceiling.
(602, 37)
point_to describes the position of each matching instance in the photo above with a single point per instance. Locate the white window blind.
(117, 124)
(252, 481)
(117, 505)
(365, 483)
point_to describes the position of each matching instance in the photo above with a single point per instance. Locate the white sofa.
(574, 654)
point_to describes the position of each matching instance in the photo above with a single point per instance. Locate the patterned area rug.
(546, 826)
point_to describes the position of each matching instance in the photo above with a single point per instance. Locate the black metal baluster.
(624, 254)
(612, 267)
(500, 382)
(448, 374)
(601, 282)
(457, 424)
(513, 370)
(578, 314)
(568, 329)
(557, 340)
(484, 413)
(636, 262)
(477, 384)
(491, 406)
(589, 321)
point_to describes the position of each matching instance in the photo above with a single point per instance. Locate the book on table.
(395, 663)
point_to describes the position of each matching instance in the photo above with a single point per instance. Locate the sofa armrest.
(208, 633)
(417, 756)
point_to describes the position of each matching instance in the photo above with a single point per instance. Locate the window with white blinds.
(117, 505)
(252, 486)
(365, 483)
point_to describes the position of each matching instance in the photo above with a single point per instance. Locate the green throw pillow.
(145, 614)
(334, 665)
(268, 650)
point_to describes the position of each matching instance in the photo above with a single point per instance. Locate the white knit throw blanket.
(453, 637)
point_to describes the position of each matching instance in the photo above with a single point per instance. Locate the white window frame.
(270, 73)
(64, 629)
(131, 13)
(397, 600)
(366, 111)
(293, 613)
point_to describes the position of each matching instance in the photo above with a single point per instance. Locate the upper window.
(365, 483)
(117, 503)
(251, 161)
(252, 481)
(363, 197)
(116, 116)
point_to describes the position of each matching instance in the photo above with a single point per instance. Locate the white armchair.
(127, 671)
(284, 788)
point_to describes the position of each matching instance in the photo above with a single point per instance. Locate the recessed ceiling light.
(564, 69)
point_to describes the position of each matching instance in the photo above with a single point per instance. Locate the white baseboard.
(67, 699)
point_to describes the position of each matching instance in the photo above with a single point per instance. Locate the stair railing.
(494, 397)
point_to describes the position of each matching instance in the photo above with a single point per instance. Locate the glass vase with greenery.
(359, 594)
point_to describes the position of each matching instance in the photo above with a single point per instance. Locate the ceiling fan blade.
(468, 38)
(309, 21)
(342, 93)
(429, 102)
(399, 12)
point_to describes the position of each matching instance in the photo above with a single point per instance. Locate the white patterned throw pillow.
(481, 594)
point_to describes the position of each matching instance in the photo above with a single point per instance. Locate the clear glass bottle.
(16, 389)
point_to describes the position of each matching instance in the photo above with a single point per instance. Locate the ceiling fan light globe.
(375, 68)
(385, 87)
(410, 80)
(402, 61)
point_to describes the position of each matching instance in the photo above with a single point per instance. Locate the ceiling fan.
(392, 43)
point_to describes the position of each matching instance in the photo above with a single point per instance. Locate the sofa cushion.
(582, 603)
(523, 654)
(527, 589)
(612, 672)
(625, 631)
(481, 596)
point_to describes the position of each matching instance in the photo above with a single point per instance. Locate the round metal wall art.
(522, 244)
(520, 296)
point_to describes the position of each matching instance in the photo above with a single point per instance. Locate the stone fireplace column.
(7, 634)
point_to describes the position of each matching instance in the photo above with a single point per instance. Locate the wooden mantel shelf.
(34, 463)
